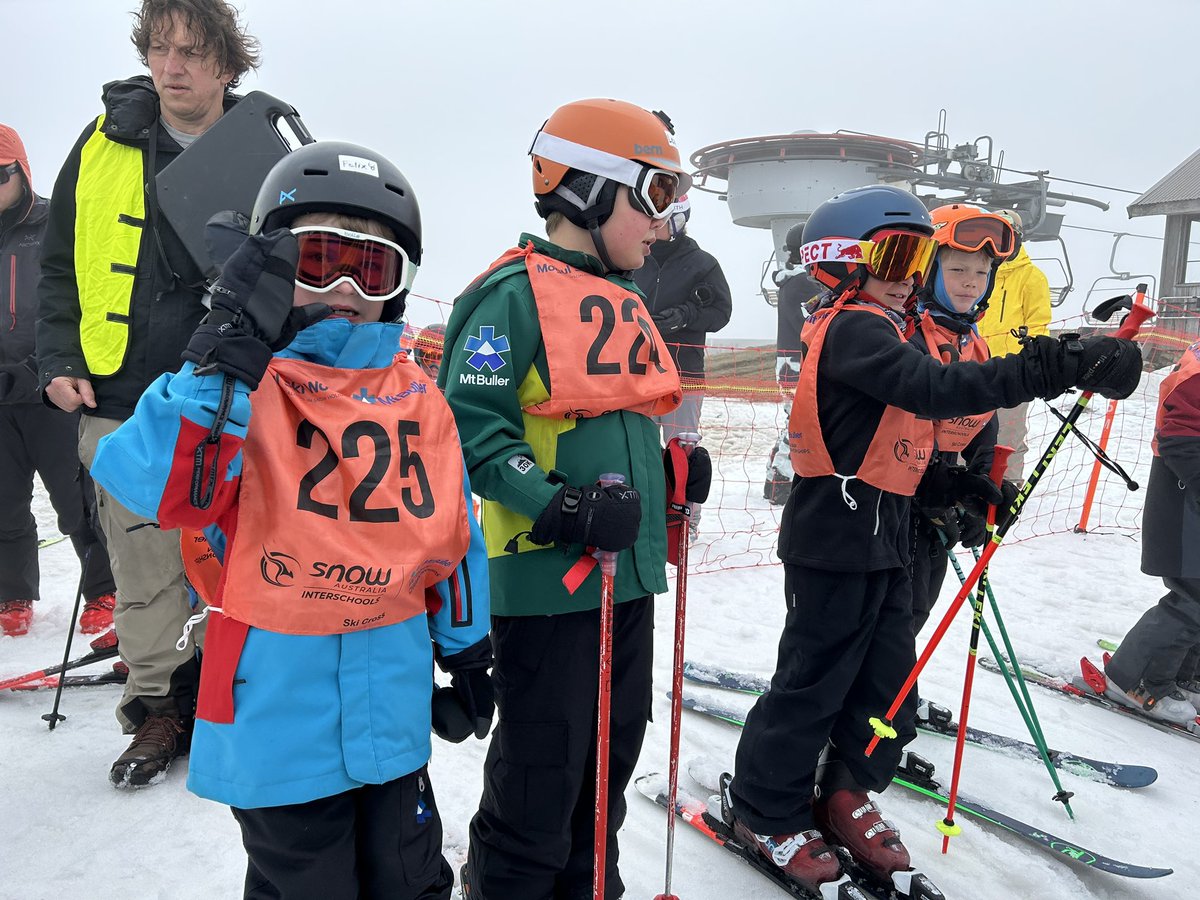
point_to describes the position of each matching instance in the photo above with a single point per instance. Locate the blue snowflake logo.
(485, 350)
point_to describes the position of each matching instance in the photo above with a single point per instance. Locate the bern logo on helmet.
(358, 164)
(287, 196)
(647, 150)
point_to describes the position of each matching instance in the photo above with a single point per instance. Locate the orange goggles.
(889, 255)
(989, 233)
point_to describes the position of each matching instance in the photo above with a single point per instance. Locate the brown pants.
(152, 598)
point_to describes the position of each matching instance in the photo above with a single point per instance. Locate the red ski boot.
(804, 857)
(15, 616)
(97, 614)
(851, 819)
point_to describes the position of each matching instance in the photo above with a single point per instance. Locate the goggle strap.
(587, 159)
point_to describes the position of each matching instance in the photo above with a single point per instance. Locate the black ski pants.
(1160, 648)
(533, 836)
(929, 564)
(846, 648)
(35, 438)
(376, 842)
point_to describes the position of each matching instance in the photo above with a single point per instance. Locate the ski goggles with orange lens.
(888, 255)
(990, 233)
(377, 268)
(654, 193)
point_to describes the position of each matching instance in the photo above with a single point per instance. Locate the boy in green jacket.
(553, 369)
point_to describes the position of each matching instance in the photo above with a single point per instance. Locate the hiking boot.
(851, 819)
(158, 741)
(97, 615)
(1172, 707)
(804, 857)
(15, 616)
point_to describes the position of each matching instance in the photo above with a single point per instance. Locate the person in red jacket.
(861, 432)
(1155, 668)
(33, 437)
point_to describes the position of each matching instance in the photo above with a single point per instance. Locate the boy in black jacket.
(861, 435)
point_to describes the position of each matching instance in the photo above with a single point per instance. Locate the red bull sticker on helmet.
(831, 250)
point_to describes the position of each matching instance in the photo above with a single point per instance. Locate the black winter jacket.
(865, 366)
(21, 231)
(679, 274)
(167, 291)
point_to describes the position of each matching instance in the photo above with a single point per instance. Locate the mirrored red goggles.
(990, 234)
(7, 172)
(897, 255)
(888, 255)
(377, 268)
(654, 194)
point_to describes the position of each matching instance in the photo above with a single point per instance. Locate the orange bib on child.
(603, 351)
(900, 448)
(351, 499)
(953, 435)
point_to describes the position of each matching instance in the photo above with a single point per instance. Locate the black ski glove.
(947, 523)
(672, 319)
(699, 475)
(944, 485)
(972, 529)
(603, 517)
(468, 706)
(1009, 491)
(1112, 367)
(252, 314)
(1109, 366)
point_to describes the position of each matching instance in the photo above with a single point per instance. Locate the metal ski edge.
(1120, 775)
(978, 810)
(693, 811)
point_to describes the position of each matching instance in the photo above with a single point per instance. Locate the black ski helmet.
(347, 179)
(855, 215)
(792, 244)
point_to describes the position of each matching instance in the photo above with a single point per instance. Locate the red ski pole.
(947, 826)
(678, 508)
(608, 574)
(882, 726)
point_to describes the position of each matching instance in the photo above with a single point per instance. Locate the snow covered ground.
(69, 833)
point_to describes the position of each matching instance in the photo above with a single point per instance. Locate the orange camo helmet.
(610, 141)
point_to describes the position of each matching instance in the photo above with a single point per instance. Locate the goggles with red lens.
(889, 255)
(654, 193)
(987, 232)
(378, 269)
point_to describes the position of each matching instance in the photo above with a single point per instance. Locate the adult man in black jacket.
(688, 298)
(32, 437)
(119, 299)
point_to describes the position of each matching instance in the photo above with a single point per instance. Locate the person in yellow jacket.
(1021, 297)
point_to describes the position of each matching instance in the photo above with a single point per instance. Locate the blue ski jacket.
(314, 716)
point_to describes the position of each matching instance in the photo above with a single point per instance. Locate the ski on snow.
(1079, 688)
(696, 813)
(916, 775)
(119, 674)
(103, 647)
(935, 719)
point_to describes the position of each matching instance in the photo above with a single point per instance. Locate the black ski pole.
(53, 717)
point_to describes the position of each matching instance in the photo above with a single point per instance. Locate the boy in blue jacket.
(326, 470)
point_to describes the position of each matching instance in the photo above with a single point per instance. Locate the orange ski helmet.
(587, 147)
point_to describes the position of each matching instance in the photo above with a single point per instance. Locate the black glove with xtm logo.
(607, 518)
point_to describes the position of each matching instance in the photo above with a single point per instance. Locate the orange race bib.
(351, 499)
(899, 449)
(953, 435)
(603, 351)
